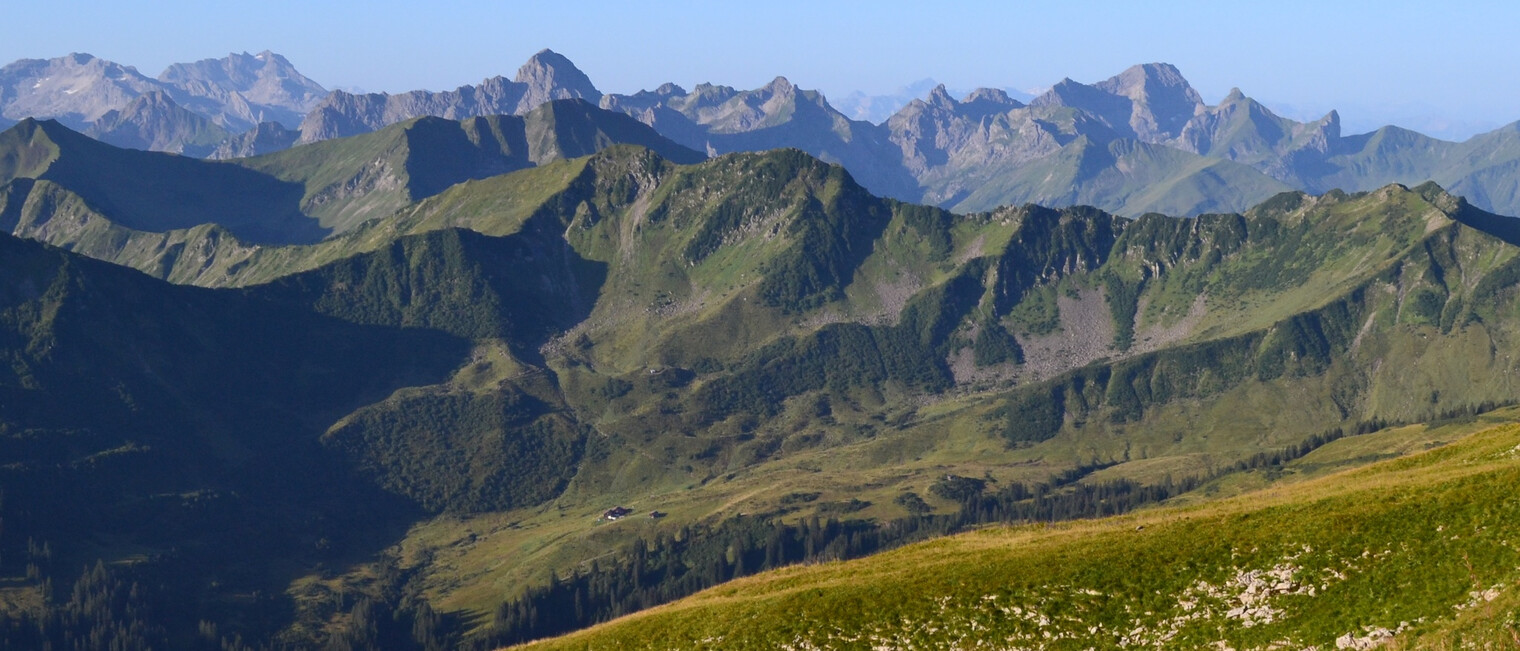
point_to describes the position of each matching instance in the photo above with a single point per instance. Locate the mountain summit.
(548, 76)
(254, 88)
(187, 109)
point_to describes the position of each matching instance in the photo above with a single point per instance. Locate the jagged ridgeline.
(188, 220)
(525, 348)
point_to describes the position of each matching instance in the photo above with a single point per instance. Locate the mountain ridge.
(987, 136)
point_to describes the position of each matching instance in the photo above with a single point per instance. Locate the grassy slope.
(66, 189)
(142, 422)
(1422, 543)
(152, 191)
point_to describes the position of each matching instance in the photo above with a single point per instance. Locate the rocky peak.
(550, 76)
(779, 86)
(243, 89)
(77, 88)
(1148, 80)
(993, 96)
(1331, 124)
(940, 98)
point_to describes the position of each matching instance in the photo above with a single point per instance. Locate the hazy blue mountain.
(964, 150)
(973, 155)
(241, 91)
(155, 122)
(876, 109)
(722, 119)
(188, 109)
(76, 90)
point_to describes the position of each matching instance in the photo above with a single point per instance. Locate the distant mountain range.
(877, 108)
(189, 108)
(1141, 141)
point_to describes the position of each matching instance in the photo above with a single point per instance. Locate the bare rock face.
(76, 89)
(155, 122)
(1161, 101)
(188, 109)
(548, 76)
(1150, 102)
(721, 119)
(242, 90)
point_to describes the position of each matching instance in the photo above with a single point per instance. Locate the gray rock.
(242, 90)
(153, 121)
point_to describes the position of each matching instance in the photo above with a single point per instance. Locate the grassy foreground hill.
(1418, 552)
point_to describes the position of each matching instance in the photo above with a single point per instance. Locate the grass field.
(1421, 551)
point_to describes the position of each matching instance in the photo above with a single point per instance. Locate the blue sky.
(1372, 60)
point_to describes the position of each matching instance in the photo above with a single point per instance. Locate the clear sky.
(1454, 60)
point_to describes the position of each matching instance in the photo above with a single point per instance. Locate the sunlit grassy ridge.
(1420, 547)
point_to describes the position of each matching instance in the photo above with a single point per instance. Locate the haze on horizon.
(1407, 63)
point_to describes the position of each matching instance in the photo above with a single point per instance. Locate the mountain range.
(432, 355)
(188, 108)
(1141, 141)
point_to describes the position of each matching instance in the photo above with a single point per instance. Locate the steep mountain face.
(720, 119)
(1074, 145)
(241, 91)
(353, 180)
(545, 77)
(189, 109)
(77, 89)
(1141, 141)
(154, 122)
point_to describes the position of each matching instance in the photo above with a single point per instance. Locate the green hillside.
(349, 181)
(198, 222)
(1415, 551)
(150, 191)
(173, 433)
